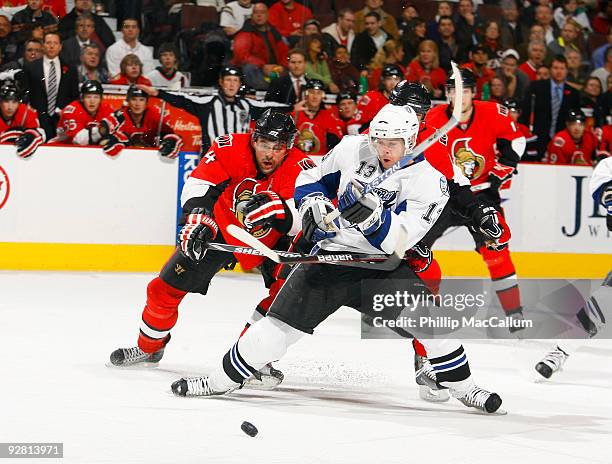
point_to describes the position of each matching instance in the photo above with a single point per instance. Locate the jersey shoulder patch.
(306, 164)
(558, 142)
(501, 109)
(69, 109)
(224, 140)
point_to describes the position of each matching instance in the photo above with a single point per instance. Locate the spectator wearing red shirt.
(288, 17)
(478, 65)
(536, 52)
(574, 144)
(131, 72)
(425, 69)
(259, 49)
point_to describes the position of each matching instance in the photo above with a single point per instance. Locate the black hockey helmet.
(512, 104)
(91, 87)
(467, 78)
(134, 91)
(390, 70)
(276, 126)
(575, 115)
(411, 94)
(313, 84)
(9, 91)
(345, 96)
(230, 71)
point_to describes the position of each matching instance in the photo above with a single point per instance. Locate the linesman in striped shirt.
(224, 113)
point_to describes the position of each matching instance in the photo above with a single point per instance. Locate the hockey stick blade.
(290, 257)
(424, 145)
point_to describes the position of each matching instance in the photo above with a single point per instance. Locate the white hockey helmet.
(395, 122)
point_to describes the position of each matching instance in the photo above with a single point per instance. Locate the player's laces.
(134, 355)
(552, 362)
(425, 377)
(196, 386)
(482, 399)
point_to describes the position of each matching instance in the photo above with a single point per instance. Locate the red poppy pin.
(64, 69)
(566, 92)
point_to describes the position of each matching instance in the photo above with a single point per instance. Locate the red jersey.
(312, 132)
(144, 134)
(604, 140)
(24, 118)
(435, 78)
(369, 104)
(75, 122)
(286, 21)
(563, 149)
(473, 145)
(229, 165)
(528, 69)
(122, 80)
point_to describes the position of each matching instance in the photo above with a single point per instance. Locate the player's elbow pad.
(518, 146)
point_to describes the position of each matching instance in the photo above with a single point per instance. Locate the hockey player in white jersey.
(593, 315)
(401, 209)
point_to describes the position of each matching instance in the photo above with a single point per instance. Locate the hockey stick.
(378, 261)
(161, 121)
(406, 160)
(291, 257)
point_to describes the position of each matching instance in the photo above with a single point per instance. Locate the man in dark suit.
(102, 34)
(71, 48)
(288, 89)
(369, 41)
(51, 84)
(546, 105)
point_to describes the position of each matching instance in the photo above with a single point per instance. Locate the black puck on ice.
(249, 429)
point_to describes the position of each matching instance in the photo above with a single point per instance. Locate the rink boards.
(71, 208)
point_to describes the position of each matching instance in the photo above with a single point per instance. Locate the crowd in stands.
(549, 62)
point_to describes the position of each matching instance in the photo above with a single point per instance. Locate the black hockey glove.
(488, 221)
(115, 144)
(313, 209)
(199, 229)
(11, 135)
(170, 146)
(28, 142)
(500, 175)
(267, 209)
(365, 211)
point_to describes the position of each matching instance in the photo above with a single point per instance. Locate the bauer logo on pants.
(5, 187)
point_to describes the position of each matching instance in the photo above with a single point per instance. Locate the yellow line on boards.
(150, 258)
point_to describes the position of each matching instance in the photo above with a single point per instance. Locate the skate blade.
(137, 366)
(433, 396)
(267, 382)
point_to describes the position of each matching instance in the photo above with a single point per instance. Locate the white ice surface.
(344, 400)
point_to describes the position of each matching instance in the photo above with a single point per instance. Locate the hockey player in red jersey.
(604, 142)
(514, 109)
(373, 100)
(18, 122)
(484, 128)
(348, 114)
(246, 180)
(80, 121)
(140, 125)
(318, 128)
(573, 145)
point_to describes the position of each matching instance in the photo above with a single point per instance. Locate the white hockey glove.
(313, 209)
(365, 211)
(199, 229)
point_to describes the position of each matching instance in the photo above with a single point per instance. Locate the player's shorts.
(313, 292)
(450, 218)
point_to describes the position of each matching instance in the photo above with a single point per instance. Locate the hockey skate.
(196, 386)
(482, 400)
(551, 363)
(425, 377)
(266, 378)
(124, 357)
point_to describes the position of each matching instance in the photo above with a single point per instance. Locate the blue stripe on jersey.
(380, 235)
(328, 185)
(401, 208)
(449, 365)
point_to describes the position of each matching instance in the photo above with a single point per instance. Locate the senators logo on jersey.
(242, 194)
(471, 163)
(307, 140)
